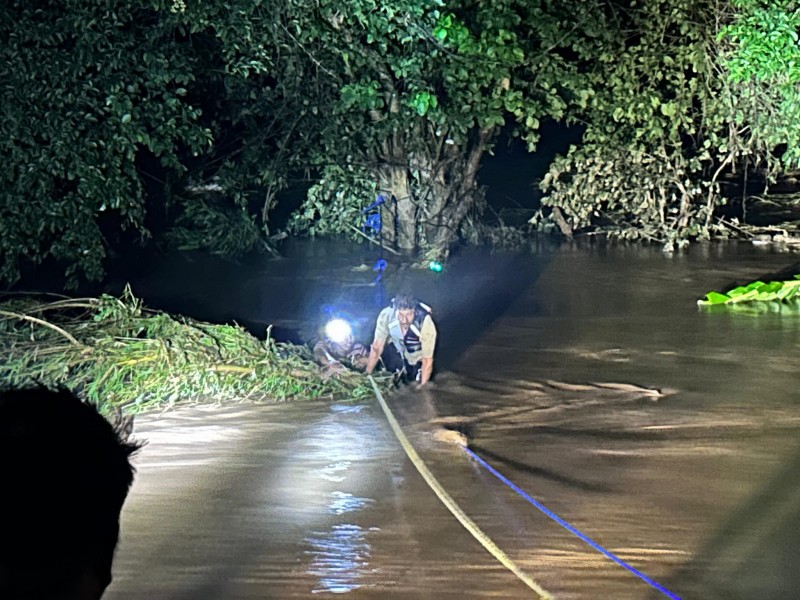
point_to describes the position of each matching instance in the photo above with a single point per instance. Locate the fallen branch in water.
(118, 354)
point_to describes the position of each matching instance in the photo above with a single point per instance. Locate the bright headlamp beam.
(338, 331)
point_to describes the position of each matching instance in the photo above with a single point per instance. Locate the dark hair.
(65, 474)
(404, 301)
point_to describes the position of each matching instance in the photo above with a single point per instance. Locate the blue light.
(373, 222)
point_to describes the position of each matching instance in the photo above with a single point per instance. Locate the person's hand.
(422, 386)
(333, 369)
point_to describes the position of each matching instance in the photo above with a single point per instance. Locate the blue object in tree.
(378, 201)
(373, 222)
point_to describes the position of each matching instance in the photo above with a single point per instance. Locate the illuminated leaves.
(756, 292)
(762, 60)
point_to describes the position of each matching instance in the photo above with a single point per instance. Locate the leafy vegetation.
(652, 122)
(415, 94)
(777, 294)
(87, 88)
(679, 93)
(761, 56)
(118, 354)
(108, 107)
(218, 226)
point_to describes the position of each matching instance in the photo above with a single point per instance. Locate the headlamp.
(338, 331)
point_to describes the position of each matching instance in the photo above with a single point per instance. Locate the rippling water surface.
(588, 376)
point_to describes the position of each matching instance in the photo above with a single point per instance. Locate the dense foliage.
(101, 100)
(639, 170)
(762, 59)
(682, 93)
(109, 106)
(87, 88)
(415, 94)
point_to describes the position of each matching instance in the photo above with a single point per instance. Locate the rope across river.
(451, 505)
(485, 541)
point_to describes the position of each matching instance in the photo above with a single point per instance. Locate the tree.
(640, 171)
(681, 93)
(414, 94)
(400, 98)
(93, 88)
(760, 57)
(88, 86)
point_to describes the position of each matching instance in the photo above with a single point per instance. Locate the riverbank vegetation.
(126, 120)
(122, 356)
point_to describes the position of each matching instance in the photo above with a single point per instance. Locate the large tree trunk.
(430, 187)
(429, 193)
(398, 227)
(458, 196)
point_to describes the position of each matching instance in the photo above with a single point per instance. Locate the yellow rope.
(451, 505)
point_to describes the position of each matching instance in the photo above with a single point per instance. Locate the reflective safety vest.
(410, 342)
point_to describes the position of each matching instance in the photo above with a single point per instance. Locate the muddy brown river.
(668, 435)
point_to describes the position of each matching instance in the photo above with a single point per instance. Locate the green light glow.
(435, 266)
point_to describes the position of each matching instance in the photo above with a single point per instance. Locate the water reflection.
(340, 558)
(342, 502)
(340, 554)
(329, 472)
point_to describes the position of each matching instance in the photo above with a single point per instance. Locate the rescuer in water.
(408, 324)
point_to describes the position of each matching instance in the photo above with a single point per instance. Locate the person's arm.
(425, 370)
(379, 341)
(375, 351)
(428, 339)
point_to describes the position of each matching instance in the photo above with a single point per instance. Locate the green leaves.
(422, 101)
(761, 57)
(757, 291)
(90, 86)
(405, 94)
(335, 204)
(121, 355)
(757, 297)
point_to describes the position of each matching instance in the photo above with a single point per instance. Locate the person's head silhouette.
(64, 474)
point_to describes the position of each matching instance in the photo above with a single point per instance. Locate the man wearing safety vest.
(409, 326)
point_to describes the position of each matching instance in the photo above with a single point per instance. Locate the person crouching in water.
(337, 351)
(409, 326)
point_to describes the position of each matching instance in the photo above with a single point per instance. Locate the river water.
(587, 375)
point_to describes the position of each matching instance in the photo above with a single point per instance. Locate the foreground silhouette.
(65, 474)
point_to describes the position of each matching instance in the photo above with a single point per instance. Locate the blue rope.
(571, 529)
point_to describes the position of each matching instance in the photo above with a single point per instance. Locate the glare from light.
(338, 331)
